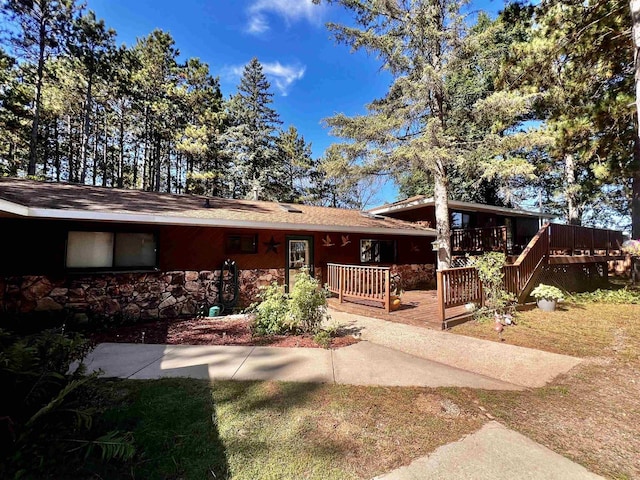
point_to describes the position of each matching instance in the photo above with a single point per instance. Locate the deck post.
(387, 290)
(340, 282)
(440, 294)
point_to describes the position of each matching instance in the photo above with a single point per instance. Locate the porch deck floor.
(419, 308)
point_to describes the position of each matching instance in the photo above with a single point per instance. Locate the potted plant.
(547, 297)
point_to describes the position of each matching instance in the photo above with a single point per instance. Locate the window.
(460, 220)
(109, 250)
(377, 251)
(241, 244)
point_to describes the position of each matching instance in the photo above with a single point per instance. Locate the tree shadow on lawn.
(174, 425)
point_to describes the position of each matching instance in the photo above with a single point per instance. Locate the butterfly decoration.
(345, 240)
(326, 242)
(272, 245)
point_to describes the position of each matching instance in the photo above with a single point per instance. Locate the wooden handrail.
(360, 282)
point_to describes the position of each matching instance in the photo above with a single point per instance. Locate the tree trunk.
(70, 160)
(440, 196)
(573, 211)
(121, 146)
(135, 165)
(158, 164)
(85, 130)
(635, 198)
(105, 150)
(33, 143)
(56, 153)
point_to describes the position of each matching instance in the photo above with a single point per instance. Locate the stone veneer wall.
(135, 296)
(415, 276)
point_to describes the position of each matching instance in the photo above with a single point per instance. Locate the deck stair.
(554, 244)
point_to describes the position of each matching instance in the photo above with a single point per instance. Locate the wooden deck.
(419, 308)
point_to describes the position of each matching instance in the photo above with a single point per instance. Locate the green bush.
(301, 311)
(322, 338)
(621, 296)
(547, 292)
(307, 303)
(271, 312)
(497, 299)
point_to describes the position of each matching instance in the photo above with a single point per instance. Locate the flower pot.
(395, 303)
(547, 305)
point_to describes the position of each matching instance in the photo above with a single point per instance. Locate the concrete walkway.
(492, 453)
(361, 364)
(521, 366)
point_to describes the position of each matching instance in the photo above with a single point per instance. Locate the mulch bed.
(203, 331)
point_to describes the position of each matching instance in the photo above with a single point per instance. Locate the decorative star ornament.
(272, 245)
(345, 240)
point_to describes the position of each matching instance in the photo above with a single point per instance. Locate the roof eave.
(427, 201)
(77, 215)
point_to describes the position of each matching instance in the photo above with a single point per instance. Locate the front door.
(299, 253)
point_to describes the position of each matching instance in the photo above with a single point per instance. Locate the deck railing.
(458, 286)
(518, 275)
(360, 282)
(570, 238)
(490, 239)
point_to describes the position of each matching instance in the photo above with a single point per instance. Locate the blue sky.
(312, 77)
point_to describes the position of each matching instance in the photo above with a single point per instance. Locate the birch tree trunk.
(573, 211)
(443, 229)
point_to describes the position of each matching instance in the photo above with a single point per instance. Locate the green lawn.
(255, 430)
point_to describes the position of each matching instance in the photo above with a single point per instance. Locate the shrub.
(497, 299)
(45, 411)
(621, 296)
(302, 310)
(307, 303)
(271, 312)
(322, 338)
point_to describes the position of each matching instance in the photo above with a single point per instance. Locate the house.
(475, 228)
(144, 255)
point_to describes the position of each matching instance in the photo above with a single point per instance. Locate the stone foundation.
(130, 296)
(415, 276)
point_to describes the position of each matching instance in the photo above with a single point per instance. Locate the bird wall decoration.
(326, 242)
(345, 240)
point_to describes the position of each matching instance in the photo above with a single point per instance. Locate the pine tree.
(42, 26)
(424, 44)
(250, 140)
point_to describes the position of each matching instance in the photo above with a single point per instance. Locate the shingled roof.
(420, 201)
(28, 198)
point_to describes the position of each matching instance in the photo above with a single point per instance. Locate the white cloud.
(283, 75)
(290, 10)
(279, 75)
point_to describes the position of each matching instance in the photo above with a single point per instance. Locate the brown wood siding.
(35, 247)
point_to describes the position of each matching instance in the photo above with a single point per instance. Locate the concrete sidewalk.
(361, 364)
(526, 367)
(492, 453)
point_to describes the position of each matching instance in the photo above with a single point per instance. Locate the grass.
(581, 330)
(592, 414)
(265, 430)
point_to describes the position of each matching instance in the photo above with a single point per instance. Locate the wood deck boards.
(419, 308)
